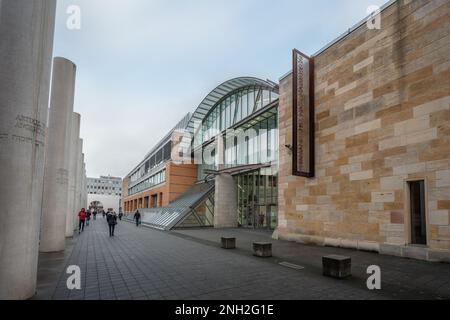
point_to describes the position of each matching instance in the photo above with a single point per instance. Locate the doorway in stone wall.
(417, 212)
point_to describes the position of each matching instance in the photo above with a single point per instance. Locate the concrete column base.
(225, 202)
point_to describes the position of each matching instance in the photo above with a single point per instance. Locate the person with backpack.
(82, 220)
(111, 219)
(137, 217)
(88, 218)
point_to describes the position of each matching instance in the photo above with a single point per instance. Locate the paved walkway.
(141, 263)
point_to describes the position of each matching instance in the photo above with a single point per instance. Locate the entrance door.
(255, 200)
(250, 202)
(417, 208)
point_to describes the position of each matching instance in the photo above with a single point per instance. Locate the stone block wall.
(382, 108)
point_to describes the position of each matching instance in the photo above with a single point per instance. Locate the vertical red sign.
(303, 115)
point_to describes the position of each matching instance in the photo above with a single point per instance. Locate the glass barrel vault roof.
(222, 91)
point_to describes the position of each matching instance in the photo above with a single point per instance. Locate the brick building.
(157, 180)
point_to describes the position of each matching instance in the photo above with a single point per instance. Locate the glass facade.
(242, 129)
(255, 142)
(156, 159)
(258, 198)
(202, 215)
(148, 183)
(233, 109)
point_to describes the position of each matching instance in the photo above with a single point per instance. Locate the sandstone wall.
(382, 118)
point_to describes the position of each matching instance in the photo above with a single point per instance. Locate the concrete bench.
(262, 249)
(228, 243)
(336, 266)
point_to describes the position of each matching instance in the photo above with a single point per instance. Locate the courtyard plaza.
(143, 263)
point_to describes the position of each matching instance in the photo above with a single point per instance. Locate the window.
(159, 157)
(168, 151)
(251, 102)
(232, 109)
(259, 99)
(227, 108)
(266, 97)
(244, 108)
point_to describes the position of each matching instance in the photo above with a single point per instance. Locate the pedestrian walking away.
(137, 218)
(111, 219)
(120, 215)
(88, 218)
(82, 219)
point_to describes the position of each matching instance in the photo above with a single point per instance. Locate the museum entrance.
(257, 199)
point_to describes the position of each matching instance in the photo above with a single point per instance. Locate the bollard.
(262, 249)
(336, 266)
(228, 243)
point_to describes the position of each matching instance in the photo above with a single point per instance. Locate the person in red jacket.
(82, 218)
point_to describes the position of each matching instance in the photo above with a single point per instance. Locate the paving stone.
(177, 267)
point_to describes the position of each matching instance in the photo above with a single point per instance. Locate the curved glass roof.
(221, 92)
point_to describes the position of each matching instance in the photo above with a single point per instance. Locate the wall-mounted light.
(289, 147)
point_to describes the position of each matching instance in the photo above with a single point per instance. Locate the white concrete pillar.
(70, 211)
(26, 42)
(81, 183)
(84, 189)
(225, 202)
(77, 203)
(54, 205)
(78, 176)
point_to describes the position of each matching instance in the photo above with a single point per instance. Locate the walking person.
(82, 219)
(103, 213)
(120, 215)
(88, 218)
(94, 213)
(137, 217)
(111, 218)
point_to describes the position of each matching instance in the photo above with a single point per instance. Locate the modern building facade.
(231, 137)
(236, 143)
(104, 192)
(158, 180)
(351, 149)
(105, 185)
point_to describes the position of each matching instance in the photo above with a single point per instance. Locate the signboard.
(303, 115)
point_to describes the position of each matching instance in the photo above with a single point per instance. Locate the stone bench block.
(262, 249)
(336, 266)
(228, 243)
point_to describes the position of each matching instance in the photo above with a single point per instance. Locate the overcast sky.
(144, 64)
